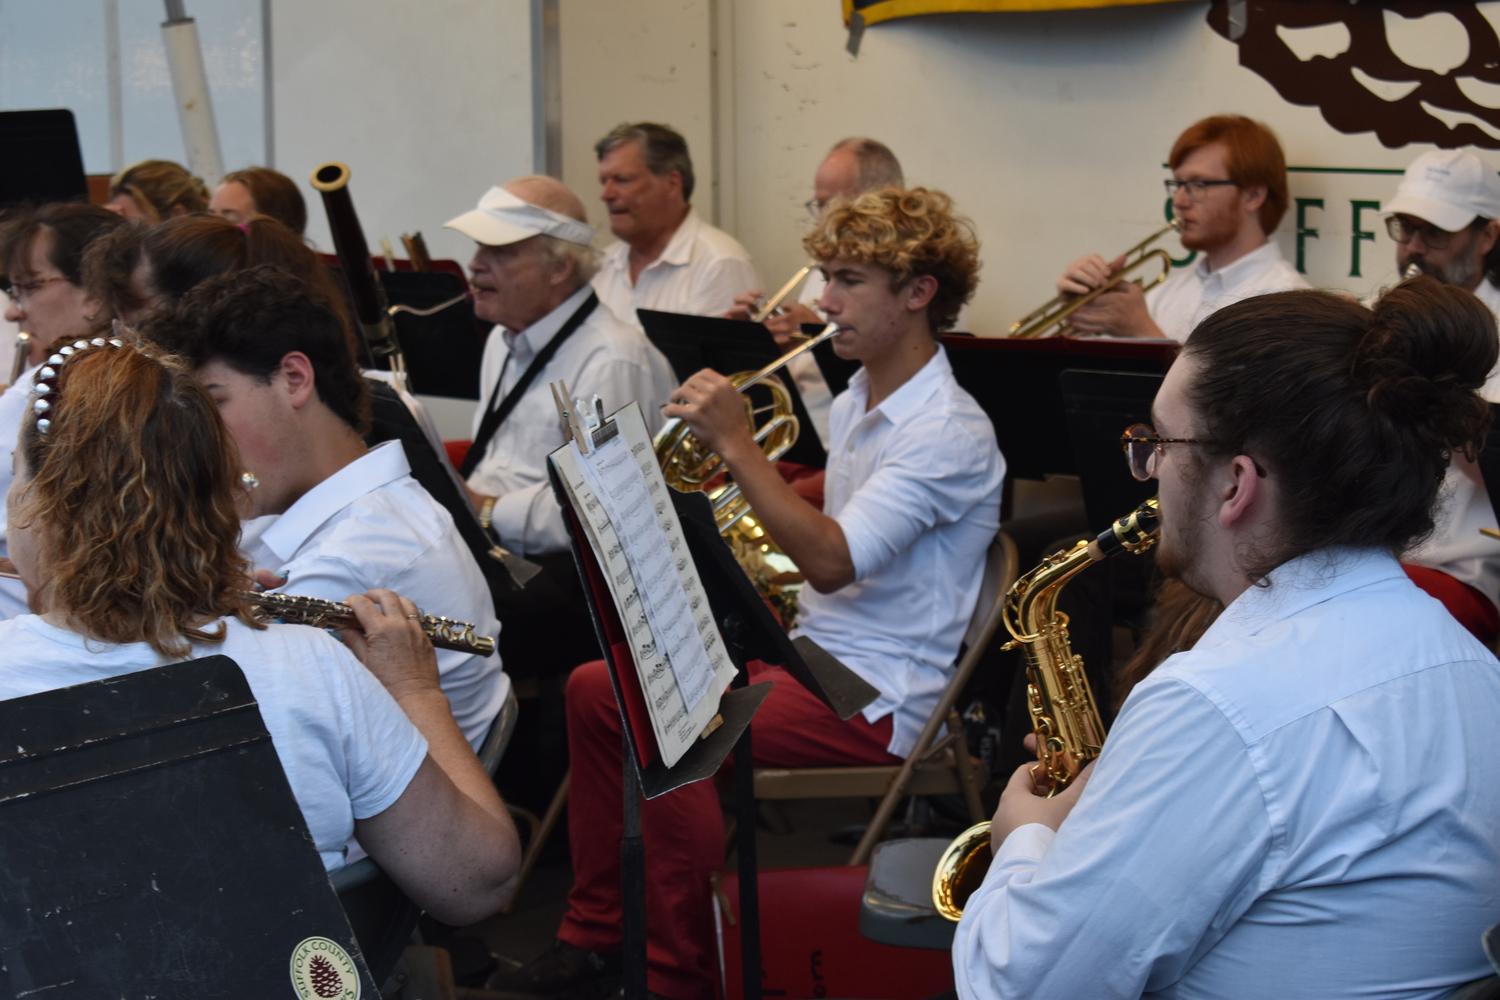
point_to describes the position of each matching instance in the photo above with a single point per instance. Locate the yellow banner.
(875, 11)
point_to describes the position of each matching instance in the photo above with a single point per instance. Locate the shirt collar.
(383, 464)
(680, 247)
(1299, 584)
(912, 394)
(527, 342)
(1242, 267)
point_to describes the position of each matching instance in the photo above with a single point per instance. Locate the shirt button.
(850, 449)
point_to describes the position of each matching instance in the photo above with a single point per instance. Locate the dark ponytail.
(1355, 412)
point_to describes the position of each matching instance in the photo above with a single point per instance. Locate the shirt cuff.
(1024, 848)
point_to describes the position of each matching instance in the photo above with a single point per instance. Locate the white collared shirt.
(915, 486)
(371, 525)
(699, 273)
(1303, 805)
(1490, 296)
(603, 356)
(1191, 294)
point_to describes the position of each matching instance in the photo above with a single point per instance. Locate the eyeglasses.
(815, 207)
(1402, 232)
(1196, 190)
(1142, 445)
(21, 289)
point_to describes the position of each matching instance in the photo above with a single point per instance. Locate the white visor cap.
(503, 218)
(1448, 188)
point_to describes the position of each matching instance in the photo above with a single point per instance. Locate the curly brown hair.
(909, 233)
(131, 496)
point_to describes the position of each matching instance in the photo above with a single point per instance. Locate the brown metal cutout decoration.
(1407, 71)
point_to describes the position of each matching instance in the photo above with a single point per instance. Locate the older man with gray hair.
(668, 257)
(531, 277)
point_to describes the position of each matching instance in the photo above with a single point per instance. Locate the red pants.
(684, 829)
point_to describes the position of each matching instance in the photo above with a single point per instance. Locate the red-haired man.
(1228, 188)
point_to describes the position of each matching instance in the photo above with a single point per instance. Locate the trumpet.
(1049, 319)
(769, 307)
(1069, 732)
(445, 633)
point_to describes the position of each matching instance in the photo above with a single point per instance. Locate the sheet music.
(634, 532)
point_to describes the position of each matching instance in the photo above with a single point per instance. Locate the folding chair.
(935, 766)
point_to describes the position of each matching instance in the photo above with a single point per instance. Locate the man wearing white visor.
(530, 276)
(1444, 220)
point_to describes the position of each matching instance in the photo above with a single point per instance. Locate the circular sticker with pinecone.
(321, 970)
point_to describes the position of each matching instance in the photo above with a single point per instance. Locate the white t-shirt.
(915, 486)
(1192, 294)
(371, 525)
(699, 273)
(348, 749)
(603, 356)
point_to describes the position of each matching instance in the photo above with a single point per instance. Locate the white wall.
(428, 103)
(1048, 129)
(648, 60)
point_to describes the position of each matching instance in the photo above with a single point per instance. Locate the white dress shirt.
(1456, 545)
(1303, 805)
(915, 486)
(1490, 296)
(699, 273)
(348, 749)
(1191, 294)
(12, 413)
(603, 356)
(371, 525)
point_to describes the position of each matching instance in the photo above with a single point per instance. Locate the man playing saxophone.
(892, 562)
(1228, 191)
(1302, 804)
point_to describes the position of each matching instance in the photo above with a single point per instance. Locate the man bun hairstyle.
(251, 319)
(909, 233)
(1355, 412)
(663, 149)
(1255, 159)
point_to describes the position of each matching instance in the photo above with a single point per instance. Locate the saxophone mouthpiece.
(1133, 533)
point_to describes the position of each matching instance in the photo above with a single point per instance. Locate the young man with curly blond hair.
(893, 564)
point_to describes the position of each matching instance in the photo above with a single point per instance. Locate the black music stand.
(1016, 383)
(42, 159)
(750, 632)
(152, 845)
(836, 371)
(692, 343)
(1099, 406)
(443, 351)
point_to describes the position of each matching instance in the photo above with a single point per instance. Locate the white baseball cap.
(503, 218)
(1448, 188)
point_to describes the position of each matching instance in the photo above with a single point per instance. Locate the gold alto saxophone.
(1064, 715)
(445, 633)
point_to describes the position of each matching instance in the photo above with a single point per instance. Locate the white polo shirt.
(1192, 294)
(604, 356)
(372, 525)
(699, 273)
(915, 485)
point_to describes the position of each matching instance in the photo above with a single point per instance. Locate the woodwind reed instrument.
(1064, 714)
(331, 180)
(1051, 318)
(445, 633)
